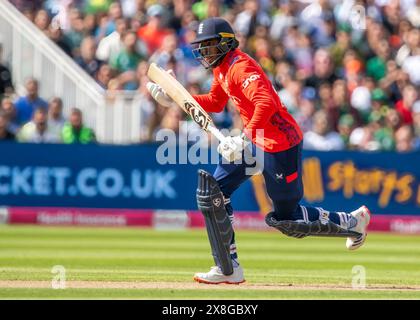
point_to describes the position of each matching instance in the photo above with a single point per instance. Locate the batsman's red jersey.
(240, 78)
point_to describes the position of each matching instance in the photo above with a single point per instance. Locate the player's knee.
(285, 209)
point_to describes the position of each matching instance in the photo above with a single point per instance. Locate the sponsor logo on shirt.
(248, 80)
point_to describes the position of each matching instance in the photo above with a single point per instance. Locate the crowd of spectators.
(31, 119)
(350, 77)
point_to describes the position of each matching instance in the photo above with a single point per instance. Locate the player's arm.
(215, 100)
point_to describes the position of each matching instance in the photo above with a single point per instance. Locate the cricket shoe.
(362, 218)
(215, 276)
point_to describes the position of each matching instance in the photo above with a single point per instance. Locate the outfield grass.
(293, 268)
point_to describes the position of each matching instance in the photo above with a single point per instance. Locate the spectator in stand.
(379, 101)
(409, 56)
(154, 31)
(303, 56)
(282, 20)
(26, 105)
(59, 11)
(104, 75)
(168, 50)
(74, 36)
(404, 106)
(5, 134)
(109, 26)
(6, 86)
(128, 57)
(89, 25)
(382, 128)
(126, 61)
(404, 139)
(366, 80)
(55, 33)
(207, 8)
(321, 137)
(304, 115)
(342, 44)
(250, 17)
(376, 66)
(290, 95)
(323, 70)
(75, 131)
(341, 105)
(87, 60)
(114, 13)
(346, 125)
(112, 44)
(141, 74)
(42, 20)
(37, 130)
(55, 116)
(169, 53)
(8, 109)
(416, 124)
(28, 4)
(187, 35)
(361, 100)
(133, 79)
(352, 70)
(410, 47)
(97, 6)
(361, 139)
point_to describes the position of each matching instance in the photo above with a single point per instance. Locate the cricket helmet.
(213, 33)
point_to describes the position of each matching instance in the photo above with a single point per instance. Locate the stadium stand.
(352, 82)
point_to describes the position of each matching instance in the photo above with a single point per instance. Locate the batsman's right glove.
(159, 94)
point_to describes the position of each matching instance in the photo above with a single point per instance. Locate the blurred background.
(73, 72)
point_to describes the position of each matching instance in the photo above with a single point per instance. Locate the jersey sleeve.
(257, 89)
(215, 100)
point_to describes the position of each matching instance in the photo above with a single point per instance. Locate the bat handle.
(216, 132)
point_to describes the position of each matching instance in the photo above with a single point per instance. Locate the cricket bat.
(183, 99)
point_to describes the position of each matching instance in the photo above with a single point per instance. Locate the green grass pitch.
(137, 263)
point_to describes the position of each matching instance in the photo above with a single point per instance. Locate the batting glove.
(231, 148)
(158, 94)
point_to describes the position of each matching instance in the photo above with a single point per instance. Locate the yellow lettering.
(376, 177)
(362, 182)
(336, 176)
(312, 180)
(349, 174)
(418, 195)
(404, 188)
(318, 178)
(387, 189)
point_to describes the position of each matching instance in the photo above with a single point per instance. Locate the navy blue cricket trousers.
(283, 178)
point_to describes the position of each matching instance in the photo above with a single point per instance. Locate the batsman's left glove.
(231, 147)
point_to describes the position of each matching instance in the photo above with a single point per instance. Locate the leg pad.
(210, 202)
(302, 229)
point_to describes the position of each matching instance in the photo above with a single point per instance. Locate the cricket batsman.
(269, 127)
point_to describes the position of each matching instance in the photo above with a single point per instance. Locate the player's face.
(209, 50)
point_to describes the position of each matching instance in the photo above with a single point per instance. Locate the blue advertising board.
(104, 176)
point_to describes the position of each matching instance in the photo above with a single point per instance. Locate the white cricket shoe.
(215, 276)
(362, 216)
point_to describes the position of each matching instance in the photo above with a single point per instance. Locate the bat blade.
(180, 95)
